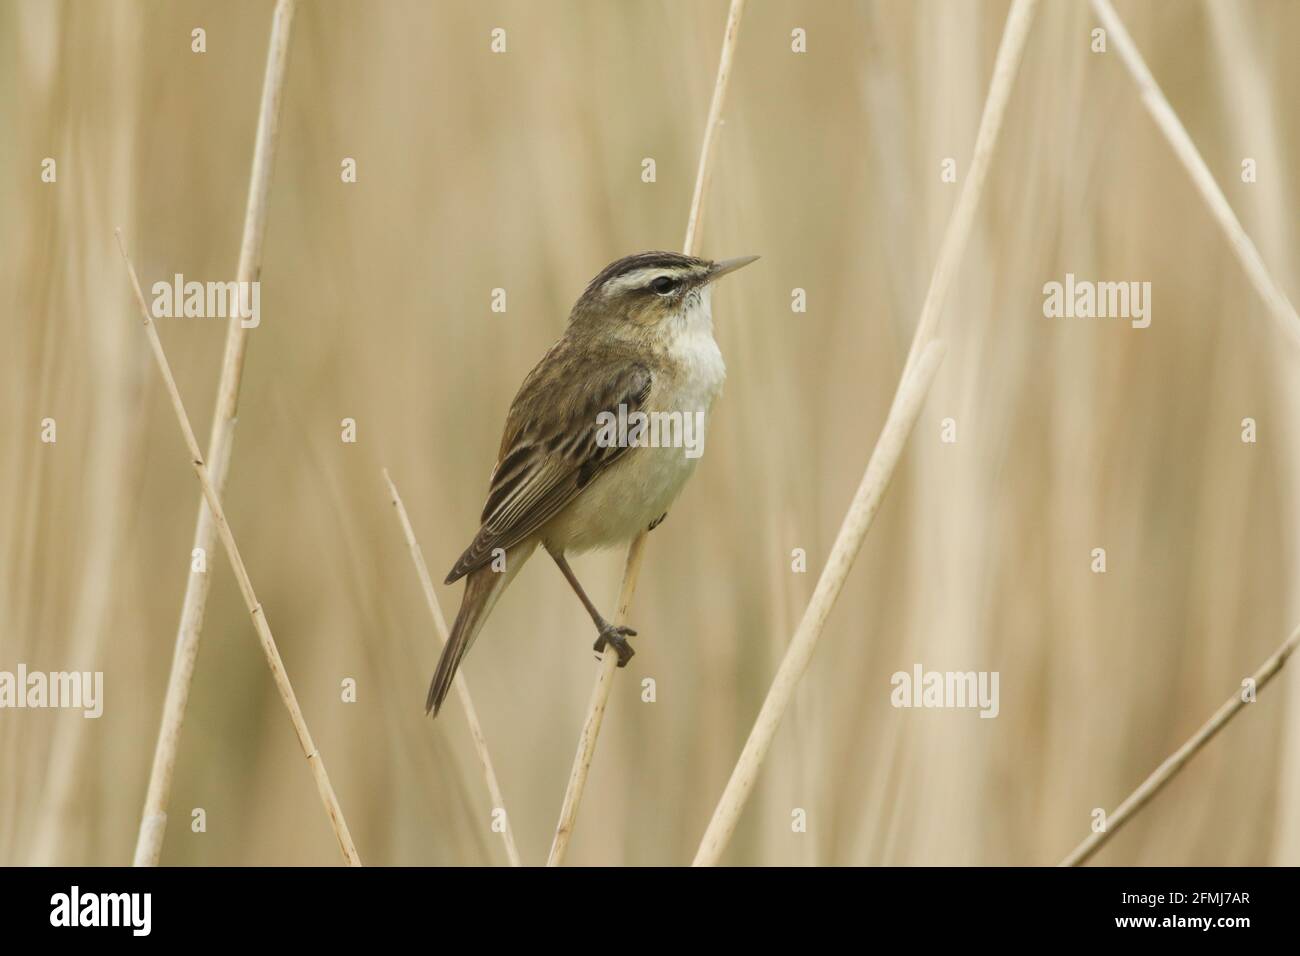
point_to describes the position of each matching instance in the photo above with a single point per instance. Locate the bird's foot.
(616, 636)
(657, 522)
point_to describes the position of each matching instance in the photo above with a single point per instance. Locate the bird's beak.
(720, 269)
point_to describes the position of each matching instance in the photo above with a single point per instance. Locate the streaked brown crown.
(646, 281)
(669, 262)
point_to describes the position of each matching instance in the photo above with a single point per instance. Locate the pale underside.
(639, 487)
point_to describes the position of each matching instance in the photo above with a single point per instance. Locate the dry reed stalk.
(153, 822)
(636, 551)
(1014, 33)
(1175, 762)
(1283, 311)
(1158, 106)
(866, 502)
(462, 688)
(255, 611)
(704, 173)
(595, 713)
(914, 383)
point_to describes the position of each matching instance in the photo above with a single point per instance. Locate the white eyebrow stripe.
(632, 280)
(641, 277)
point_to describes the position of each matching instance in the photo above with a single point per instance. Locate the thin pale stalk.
(636, 552)
(1158, 106)
(462, 687)
(255, 611)
(1176, 761)
(595, 713)
(704, 171)
(923, 361)
(1282, 310)
(866, 502)
(1005, 67)
(153, 822)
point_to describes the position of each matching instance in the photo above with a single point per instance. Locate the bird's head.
(651, 291)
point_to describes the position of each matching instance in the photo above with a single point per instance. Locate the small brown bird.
(601, 437)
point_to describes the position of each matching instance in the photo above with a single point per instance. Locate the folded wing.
(549, 452)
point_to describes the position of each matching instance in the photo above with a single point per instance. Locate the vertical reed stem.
(913, 385)
(636, 552)
(153, 822)
(260, 624)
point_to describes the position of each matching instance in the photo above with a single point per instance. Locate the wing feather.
(549, 452)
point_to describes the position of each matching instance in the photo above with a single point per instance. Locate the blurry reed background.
(522, 171)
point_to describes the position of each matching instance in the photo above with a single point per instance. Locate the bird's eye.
(662, 285)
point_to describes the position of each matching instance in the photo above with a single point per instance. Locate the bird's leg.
(609, 634)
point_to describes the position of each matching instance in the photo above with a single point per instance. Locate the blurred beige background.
(522, 171)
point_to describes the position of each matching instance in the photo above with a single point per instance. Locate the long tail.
(482, 588)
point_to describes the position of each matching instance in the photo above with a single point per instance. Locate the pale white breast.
(697, 356)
